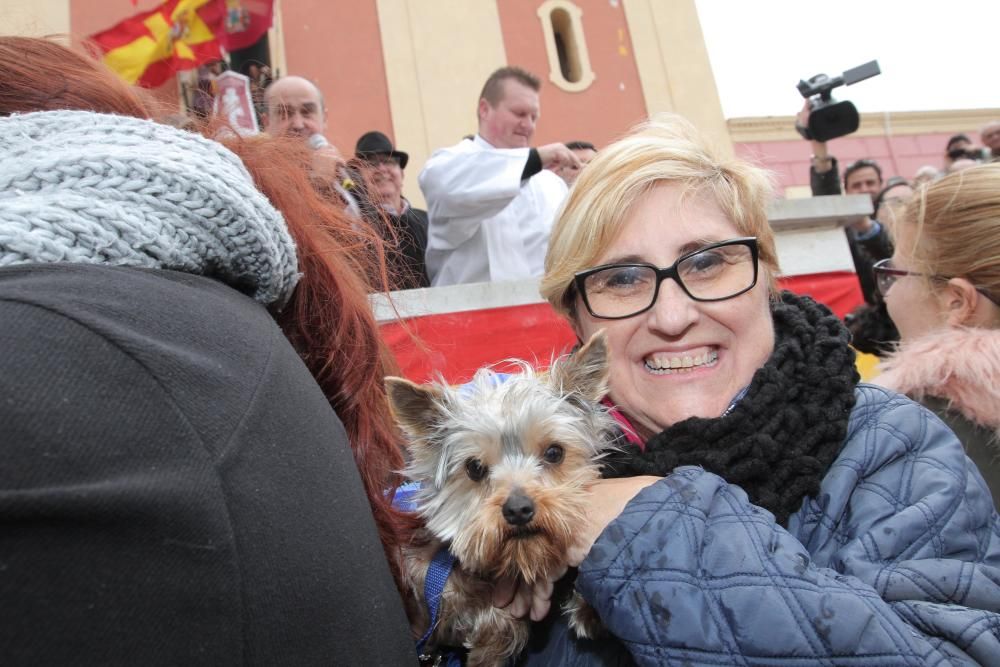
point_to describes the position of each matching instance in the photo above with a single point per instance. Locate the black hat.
(376, 143)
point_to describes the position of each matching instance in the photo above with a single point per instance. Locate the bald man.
(294, 108)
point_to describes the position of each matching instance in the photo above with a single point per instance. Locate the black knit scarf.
(780, 439)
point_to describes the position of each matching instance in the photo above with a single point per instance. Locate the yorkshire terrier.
(503, 465)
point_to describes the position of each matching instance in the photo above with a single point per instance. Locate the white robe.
(486, 224)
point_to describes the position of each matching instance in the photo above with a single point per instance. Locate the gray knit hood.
(83, 187)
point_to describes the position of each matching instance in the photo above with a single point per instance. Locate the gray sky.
(760, 49)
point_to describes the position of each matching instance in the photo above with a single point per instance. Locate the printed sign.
(233, 103)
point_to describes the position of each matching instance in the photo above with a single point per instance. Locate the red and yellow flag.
(149, 48)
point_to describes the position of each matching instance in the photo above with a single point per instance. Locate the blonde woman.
(942, 288)
(767, 508)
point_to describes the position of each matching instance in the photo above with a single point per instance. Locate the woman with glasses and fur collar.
(942, 289)
(764, 507)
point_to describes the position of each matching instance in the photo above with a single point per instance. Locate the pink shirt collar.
(625, 424)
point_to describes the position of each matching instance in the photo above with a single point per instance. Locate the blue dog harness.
(437, 576)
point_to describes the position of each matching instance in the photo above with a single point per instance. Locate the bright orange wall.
(611, 104)
(87, 17)
(338, 46)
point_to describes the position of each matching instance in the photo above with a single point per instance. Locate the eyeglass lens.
(885, 276)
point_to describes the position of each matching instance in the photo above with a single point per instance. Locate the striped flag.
(150, 47)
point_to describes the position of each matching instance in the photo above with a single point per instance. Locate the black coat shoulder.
(175, 488)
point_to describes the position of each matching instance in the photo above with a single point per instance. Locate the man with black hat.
(406, 232)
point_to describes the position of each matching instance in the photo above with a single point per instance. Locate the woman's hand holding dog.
(520, 598)
(608, 498)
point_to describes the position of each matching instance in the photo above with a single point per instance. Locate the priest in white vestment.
(491, 199)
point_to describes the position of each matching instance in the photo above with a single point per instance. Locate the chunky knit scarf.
(780, 439)
(77, 186)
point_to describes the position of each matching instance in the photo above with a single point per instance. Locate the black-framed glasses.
(886, 276)
(715, 272)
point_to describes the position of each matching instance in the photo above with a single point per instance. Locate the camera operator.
(868, 239)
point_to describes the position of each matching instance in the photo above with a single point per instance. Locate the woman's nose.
(674, 311)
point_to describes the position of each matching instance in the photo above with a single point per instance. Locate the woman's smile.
(670, 363)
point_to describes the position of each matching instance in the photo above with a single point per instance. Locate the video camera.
(977, 154)
(829, 119)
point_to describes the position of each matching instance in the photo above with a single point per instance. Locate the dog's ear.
(415, 407)
(586, 371)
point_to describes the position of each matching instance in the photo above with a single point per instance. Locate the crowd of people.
(491, 197)
(200, 461)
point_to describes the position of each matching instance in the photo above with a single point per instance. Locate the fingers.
(522, 599)
(521, 605)
(513, 595)
(568, 158)
(503, 593)
(541, 599)
(557, 155)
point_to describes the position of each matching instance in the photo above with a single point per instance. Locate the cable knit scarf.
(780, 439)
(77, 186)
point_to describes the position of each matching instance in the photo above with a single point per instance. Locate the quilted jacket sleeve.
(894, 563)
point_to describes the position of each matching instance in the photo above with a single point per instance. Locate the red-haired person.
(189, 363)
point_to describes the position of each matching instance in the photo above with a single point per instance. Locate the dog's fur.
(503, 465)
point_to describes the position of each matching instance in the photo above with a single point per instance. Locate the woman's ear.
(961, 303)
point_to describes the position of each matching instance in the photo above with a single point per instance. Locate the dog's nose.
(518, 509)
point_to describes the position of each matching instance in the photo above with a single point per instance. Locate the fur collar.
(960, 365)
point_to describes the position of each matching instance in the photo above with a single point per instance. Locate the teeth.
(663, 365)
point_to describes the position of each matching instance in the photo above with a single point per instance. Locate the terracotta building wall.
(611, 104)
(898, 156)
(338, 46)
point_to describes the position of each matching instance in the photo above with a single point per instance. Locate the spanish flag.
(149, 48)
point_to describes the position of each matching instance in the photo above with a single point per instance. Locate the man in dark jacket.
(403, 227)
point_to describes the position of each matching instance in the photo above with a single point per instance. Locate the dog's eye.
(475, 469)
(554, 454)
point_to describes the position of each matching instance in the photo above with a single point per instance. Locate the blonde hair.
(664, 149)
(955, 228)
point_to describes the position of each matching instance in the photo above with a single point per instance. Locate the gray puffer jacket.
(896, 562)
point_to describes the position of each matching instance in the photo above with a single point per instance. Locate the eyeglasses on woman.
(715, 272)
(886, 276)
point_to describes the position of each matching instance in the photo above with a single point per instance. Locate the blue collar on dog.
(437, 576)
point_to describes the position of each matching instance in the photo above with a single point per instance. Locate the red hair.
(328, 321)
(41, 75)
